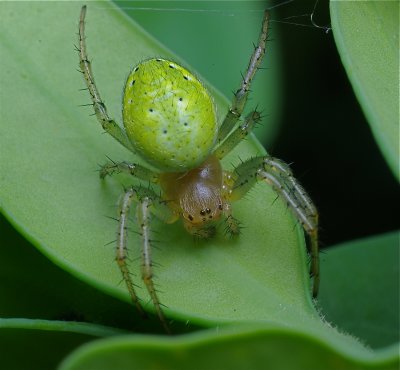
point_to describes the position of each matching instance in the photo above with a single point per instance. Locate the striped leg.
(278, 174)
(133, 169)
(108, 124)
(147, 202)
(237, 135)
(241, 95)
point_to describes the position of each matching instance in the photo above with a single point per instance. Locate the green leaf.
(51, 192)
(367, 37)
(239, 348)
(31, 284)
(59, 326)
(309, 348)
(360, 288)
(351, 297)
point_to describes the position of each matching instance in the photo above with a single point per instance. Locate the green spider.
(170, 121)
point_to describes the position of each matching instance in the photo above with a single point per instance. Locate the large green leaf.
(367, 37)
(50, 190)
(235, 348)
(360, 290)
(30, 288)
(357, 307)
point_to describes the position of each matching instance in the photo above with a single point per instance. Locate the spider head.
(200, 200)
(197, 215)
(196, 194)
(200, 224)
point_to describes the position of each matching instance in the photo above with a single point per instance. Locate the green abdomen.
(169, 116)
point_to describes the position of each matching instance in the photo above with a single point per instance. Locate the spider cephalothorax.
(170, 120)
(196, 195)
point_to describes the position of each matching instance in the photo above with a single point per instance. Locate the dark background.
(335, 154)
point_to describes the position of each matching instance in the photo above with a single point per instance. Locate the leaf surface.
(50, 189)
(367, 38)
(238, 348)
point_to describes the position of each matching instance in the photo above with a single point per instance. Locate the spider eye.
(203, 212)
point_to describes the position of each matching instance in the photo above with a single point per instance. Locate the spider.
(170, 121)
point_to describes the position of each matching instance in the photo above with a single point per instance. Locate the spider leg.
(147, 202)
(108, 124)
(237, 135)
(278, 174)
(133, 169)
(241, 95)
(232, 224)
(121, 257)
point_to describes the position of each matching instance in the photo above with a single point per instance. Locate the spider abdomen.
(196, 194)
(169, 116)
